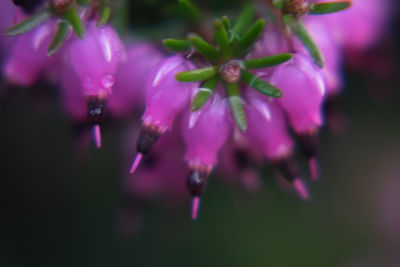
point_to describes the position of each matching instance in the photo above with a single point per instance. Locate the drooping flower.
(205, 132)
(165, 99)
(303, 87)
(269, 134)
(95, 59)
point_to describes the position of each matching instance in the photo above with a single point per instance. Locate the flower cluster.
(253, 94)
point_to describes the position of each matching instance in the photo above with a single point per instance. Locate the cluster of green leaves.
(68, 20)
(232, 43)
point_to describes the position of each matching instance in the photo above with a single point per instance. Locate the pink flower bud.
(130, 80)
(28, 56)
(267, 129)
(303, 90)
(165, 96)
(95, 59)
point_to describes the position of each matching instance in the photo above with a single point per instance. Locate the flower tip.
(97, 135)
(195, 208)
(313, 166)
(301, 189)
(136, 162)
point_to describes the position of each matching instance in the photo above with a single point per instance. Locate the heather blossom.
(206, 106)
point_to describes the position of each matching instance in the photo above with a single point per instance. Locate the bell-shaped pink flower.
(28, 56)
(95, 59)
(165, 99)
(267, 131)
(130, 80)
(303, 90)
(205, 132)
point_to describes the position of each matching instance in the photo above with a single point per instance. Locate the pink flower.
(165, 99)
(95, 59)
(267, 131)
(303, 90)
(205, 132)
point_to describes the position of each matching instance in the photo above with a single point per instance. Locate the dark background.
(56, 210)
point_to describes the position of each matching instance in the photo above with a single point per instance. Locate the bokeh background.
(58, 209)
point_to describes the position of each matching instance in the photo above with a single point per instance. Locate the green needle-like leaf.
(329, 7)
(204, 93)
(236, 104)
(30, 23)
(203, 47)
(265, 62)
(73, 18)
(242, 23)
(300, 31)
(105, 13)
(260, 85)
(197, 75)
(176, 45)
(60, 37)
(222, 38)
(189, 11)
(227, 23)
(250, 37)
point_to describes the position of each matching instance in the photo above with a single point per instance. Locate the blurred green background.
(59, 211)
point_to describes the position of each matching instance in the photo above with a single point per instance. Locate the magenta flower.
(267, 131)
(95, 59)
(165, 99)
(205, 132)
(303, 88)
(130, 80)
